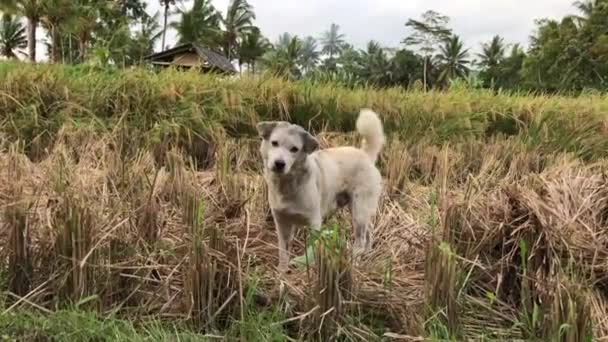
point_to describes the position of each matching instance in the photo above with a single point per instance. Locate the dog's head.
(284, 145)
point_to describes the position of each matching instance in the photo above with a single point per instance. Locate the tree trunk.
(55, 56)
(162, 48)
(32, 24)
(424, 74)
(82, 49)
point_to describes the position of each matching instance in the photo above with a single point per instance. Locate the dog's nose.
(279, 166)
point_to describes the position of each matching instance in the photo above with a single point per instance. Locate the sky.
(475, 21)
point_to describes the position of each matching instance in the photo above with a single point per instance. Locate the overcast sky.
(383, 20)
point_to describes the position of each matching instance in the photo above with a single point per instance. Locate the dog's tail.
(370, 127)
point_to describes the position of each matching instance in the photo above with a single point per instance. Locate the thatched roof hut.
(192, 55)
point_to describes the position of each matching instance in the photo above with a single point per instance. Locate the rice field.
(132, 207)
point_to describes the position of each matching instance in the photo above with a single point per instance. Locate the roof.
(215, 59)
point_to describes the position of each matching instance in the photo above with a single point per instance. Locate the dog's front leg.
(284, 235)
(316, 220)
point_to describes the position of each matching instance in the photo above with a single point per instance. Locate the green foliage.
(12, 36)
(452, 60)
(570, 55)
(200, 24)
(78, 325)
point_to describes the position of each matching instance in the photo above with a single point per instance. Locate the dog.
(307, 185)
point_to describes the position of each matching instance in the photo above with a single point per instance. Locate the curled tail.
(370, 127)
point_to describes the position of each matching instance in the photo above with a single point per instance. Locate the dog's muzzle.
(279, 166)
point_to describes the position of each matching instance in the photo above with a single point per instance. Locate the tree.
(510, 69)
(349, 60)
(332, 41)
(586, 8)
(452, 60)
(237, 22)
(12, 36)
(32, 11)
(144, 40)
(284, 59)
(569, 55)
(491, 59)
(310, 55)
(252, 47)
(55, 14)
(407, 68)
(166, 5)
(201, 24)
(83, 23)
(375, 65)
(429, 32)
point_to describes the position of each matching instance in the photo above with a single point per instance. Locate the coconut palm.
(237, 22)
(491, 58)
(12, 36)
(284, 60)
(452, 59)
(376, 68)
(332, 41)
(32, 11)
(252, 46)
(493, 52)
(310, 55)
(199, 24)
(166, 4)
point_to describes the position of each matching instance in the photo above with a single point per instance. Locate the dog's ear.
(311, 143)
(265, 128)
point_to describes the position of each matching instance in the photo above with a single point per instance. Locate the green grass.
(76, 325)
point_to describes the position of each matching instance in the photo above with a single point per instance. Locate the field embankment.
(138, 195)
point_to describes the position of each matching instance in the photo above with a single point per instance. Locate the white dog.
(305, 185)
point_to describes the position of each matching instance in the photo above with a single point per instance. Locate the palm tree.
(310, 55)
(55, 13)
(32, 10)
(252, 46)
(199, 24)
(491, 59)
(166, 4)
(493, 52)
(12, 36)
(284, 59)
(587, 7)
(452, 59)
(376, 68)
(238, 21)
(332, 41)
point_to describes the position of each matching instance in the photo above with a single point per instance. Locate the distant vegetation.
(565, 55)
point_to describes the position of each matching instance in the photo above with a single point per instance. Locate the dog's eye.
(294, 150)
(275, 143)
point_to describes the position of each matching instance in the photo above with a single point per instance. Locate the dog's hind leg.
(363, 208)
